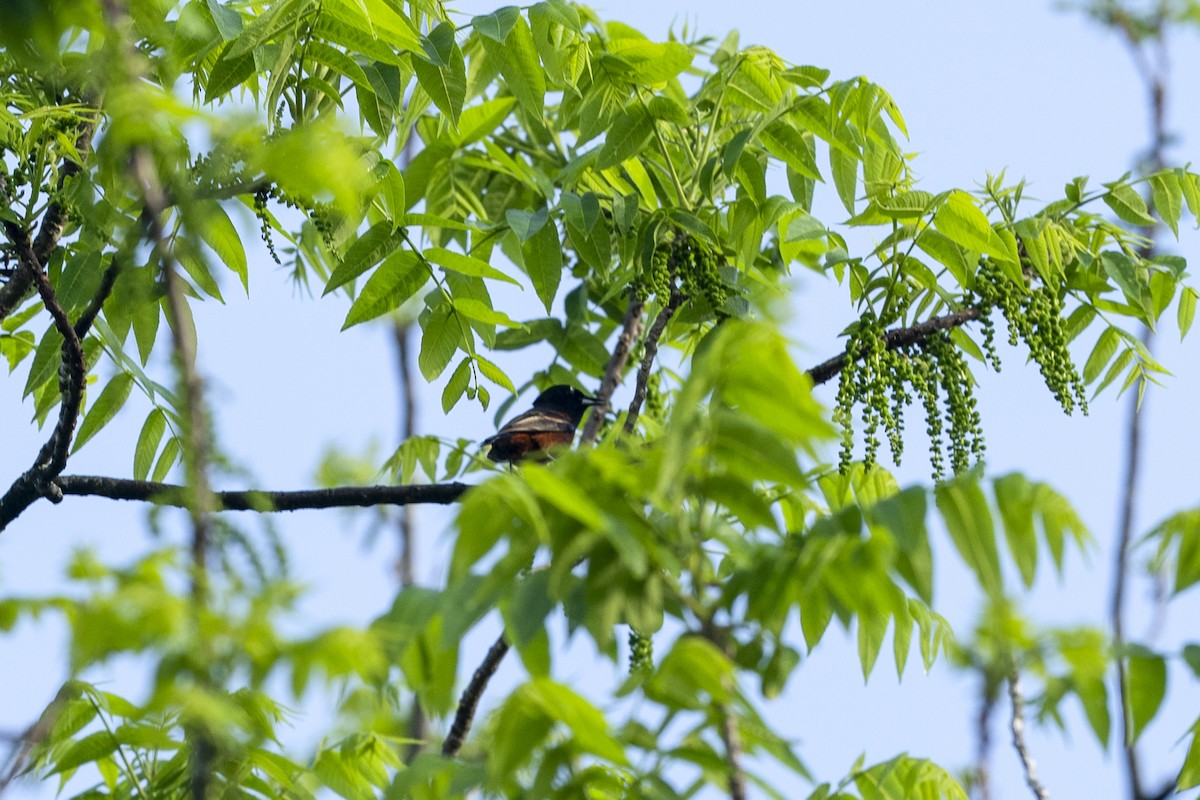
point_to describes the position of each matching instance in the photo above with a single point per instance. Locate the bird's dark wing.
(531, 433)
(535, 421)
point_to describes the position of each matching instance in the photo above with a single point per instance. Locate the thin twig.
(465, 713)
(264, 501)
(1154, 78)
(406, 523)
(1018, 735)
(983, 729)
(899, 337)
(631, 328)
(405, 564)
(84, 323)
(200, 502)
(650, 352)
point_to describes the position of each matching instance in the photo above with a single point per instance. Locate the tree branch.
(54, 220)
(631, 328)
(733, 754)
(263, 501)
(899, 337)
(469, 701)
(651, 350)
(1018, 735)
(89, 314)
(38, 480)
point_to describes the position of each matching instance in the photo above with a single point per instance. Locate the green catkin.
(641, 652)
(847, 396)
(925, 384)
(264, 223)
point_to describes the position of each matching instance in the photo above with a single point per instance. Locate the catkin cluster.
(641, 652)
(1034, 316)
(883, 381)
(682, 261)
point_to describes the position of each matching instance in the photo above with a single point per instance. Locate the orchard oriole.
(551, 422)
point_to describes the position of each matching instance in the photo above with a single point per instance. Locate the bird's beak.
(591, 401)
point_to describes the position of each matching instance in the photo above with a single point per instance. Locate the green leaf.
(1128, 205)
(903, 514)
(969, 522)
(398, 278)
(1187, 310)
(457, 384)
(481, 120)
(519, 64)
(1168, 199)
(441, 336)
(1147, 684)
(218, 232)
(961, 220)
(391, 191)
(494, 373)
(497, 24)
(46, 359)
(231, 69)
(1189, 773)
(442, 73)
(872, 627)
(1014, 497)
(544, 262)
(845, 176)
(626, 136)
(793, 147)
(166, 460)
(946, 252)
(477, 310)
(466, 265)
(147, 443)
(648, 63)
(87, 750)
(1102, 353)
(565, 496)
(111, 399)
(368, 250)
(1124, 274)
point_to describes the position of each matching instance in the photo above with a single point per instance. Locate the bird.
(551, 422)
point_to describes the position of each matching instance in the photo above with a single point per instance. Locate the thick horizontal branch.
(899, 337)
(254, 500)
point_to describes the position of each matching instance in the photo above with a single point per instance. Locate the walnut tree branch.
(469, 702)
(899, 337)
(54, 221)
(38, 480)
(651, 350)
(264, 501)
(1018, 735)
(631, 328)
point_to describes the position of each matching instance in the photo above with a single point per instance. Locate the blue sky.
(984, 87)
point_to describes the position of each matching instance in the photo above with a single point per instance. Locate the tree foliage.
(612, 210)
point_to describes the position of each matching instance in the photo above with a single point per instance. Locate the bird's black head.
(566, 399)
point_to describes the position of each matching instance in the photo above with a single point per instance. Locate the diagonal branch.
(465, 713)
(631, 328)
(899, 337)
(651, 350)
